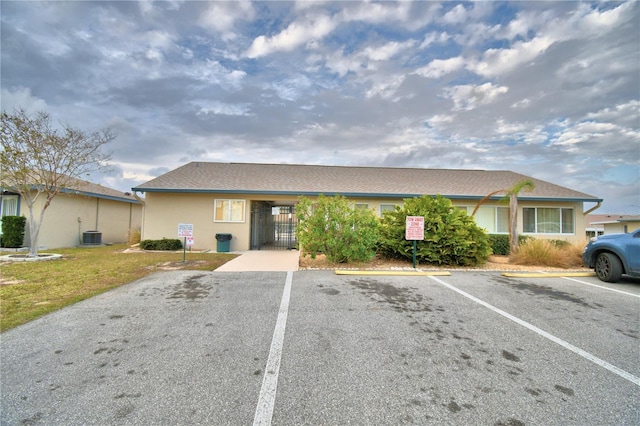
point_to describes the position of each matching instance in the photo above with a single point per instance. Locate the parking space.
(599, 319)
(474, 347)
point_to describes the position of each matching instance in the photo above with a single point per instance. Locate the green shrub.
(13, 231)
(500, 243)
(163, 244)
(451, 237)
(334, 227)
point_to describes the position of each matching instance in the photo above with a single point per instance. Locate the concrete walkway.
(263, 260)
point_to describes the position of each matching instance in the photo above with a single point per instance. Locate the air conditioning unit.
(92, 238)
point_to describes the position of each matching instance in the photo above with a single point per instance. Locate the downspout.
(137, 197)
(144, 207)
(597, 206)
(97, 212)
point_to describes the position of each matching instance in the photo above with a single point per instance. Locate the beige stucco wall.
(164, 211)
(69, 216)
(619, 227)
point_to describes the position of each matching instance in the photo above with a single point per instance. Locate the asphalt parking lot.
(311, 347)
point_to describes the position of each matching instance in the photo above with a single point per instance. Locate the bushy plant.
(541, 252)
(334, 227)
(451, 237)
(13, 231)
(134, 236)
(560, 243)
(500, 243)
(163, 244)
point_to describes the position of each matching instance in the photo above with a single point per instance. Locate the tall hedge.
(13, 231)
(451, 237)
(334, 227)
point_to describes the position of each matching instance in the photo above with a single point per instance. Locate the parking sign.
(415, 228)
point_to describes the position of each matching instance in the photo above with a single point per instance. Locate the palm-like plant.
(511, 195)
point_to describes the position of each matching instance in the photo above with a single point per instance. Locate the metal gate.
(273, 227)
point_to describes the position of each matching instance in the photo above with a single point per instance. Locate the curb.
(397, 273)
(548, 275)
(23, 258)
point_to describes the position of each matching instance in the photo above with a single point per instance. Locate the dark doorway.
(273, 226)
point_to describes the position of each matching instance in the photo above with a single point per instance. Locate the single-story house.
(77, 212)
(255, 203)
(613, 224)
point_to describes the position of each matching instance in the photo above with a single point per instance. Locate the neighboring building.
(600, 224)
(255, 203)
(75, 212)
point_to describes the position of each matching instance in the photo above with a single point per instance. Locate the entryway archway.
(273, 226)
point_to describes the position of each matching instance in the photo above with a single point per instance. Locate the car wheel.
(608, 267)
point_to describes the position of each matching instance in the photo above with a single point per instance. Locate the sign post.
(414, 231)
(185, 230)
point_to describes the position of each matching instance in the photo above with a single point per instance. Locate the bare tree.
(38, 161)
(512, 196)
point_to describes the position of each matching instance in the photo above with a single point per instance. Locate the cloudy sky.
(547, 89)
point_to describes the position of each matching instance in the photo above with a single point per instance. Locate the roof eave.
(352, 194)
(96, 195)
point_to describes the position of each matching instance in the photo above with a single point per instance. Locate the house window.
(538, 220)
(9, 205)
(387, 208)
(502, 220)
(495, 220)
(362, 205)
(229, 210)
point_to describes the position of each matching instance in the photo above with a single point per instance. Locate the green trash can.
(224, 241)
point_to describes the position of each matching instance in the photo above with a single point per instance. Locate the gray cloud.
(547, 89)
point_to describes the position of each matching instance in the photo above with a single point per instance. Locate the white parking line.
(603, 287)
(264, 410)
(586, 355)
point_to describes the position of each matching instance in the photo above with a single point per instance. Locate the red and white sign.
(415, 228)
(185, 230)
(189, 241)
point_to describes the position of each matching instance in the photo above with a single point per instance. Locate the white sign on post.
(189, 241)
(185, 230)
(415, 228)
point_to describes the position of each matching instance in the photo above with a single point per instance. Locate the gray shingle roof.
(391, 182)
(95, 190)
(86, 188)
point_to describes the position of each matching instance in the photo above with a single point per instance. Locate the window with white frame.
(387, 208)
(229, 210)
(548, 220)
(494, 220)
(9, 205)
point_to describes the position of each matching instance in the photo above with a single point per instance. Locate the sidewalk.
(263, 260)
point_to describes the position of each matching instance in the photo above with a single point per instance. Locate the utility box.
(92, 238)
(224, 242)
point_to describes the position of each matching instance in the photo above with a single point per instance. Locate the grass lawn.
(29, 290)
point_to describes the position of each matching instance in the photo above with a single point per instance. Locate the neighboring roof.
(89, 189)
(295, 179)
(601, 219)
